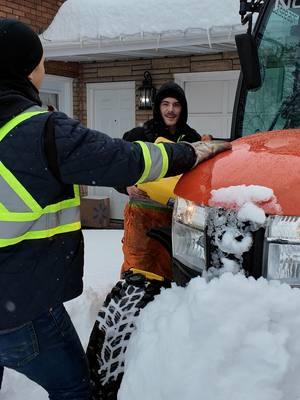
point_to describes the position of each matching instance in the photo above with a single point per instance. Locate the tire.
(112, 331)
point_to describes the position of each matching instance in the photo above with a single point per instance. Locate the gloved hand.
(205, 150)
(136, 193)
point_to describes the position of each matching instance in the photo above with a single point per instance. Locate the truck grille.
(229, 238)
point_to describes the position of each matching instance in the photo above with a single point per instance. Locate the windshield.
(276, 104)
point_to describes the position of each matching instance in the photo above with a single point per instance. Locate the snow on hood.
(78, 20)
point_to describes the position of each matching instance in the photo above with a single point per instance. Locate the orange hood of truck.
(269, 159)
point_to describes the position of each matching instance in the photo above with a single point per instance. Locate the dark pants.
(48, 351)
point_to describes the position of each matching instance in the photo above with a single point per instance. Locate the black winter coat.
(151, 130)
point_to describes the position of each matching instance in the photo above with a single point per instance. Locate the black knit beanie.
(171, 89)
(20, 49)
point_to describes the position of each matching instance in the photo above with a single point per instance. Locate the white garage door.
(210, 97)
(111, 109)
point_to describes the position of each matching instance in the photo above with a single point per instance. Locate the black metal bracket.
(247, 9)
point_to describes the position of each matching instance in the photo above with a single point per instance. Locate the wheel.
(112, 331)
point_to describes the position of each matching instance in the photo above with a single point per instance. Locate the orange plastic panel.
(270, 159)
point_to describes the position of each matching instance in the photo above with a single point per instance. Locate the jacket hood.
(170, 89)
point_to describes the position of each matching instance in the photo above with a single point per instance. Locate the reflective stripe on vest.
(156, 161)
(21, 216)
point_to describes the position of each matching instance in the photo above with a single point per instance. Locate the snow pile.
(92, 19)
(246, 198)
(231, 338)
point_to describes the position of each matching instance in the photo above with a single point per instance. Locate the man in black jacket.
(43, 158)
(170, 114)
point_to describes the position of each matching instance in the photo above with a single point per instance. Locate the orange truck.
(266, 152)
(265, 156)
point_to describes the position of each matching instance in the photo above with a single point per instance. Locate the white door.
(210, 97)
(111, 109)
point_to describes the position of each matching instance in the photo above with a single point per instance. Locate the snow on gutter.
(83, 28)
(206, 40)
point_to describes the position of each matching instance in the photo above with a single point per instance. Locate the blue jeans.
(48, 351)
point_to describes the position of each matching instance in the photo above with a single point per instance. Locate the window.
(57, 91)
(276, 104)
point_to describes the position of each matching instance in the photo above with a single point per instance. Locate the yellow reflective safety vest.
(21, 216)
(161, 190)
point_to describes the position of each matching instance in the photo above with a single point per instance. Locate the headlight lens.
(188, 234)
(282, 250)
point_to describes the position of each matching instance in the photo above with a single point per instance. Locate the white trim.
(180, 79)
(111, 85)
(63, 87)
(214, 40)
(90, 89)
(226, 79)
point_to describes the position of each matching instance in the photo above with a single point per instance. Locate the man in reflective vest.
(43, 157)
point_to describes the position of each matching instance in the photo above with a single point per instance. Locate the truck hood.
(269, 159)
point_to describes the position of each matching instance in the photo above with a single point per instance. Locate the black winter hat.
(20, 48)
(171, 89)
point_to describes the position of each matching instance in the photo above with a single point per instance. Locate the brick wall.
(37, 13)
(161, 69)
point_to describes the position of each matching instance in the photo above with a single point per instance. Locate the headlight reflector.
(282, 250)
(284, 263)
(284, 228)
(188, 234)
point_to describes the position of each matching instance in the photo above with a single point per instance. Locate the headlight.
(188, 234)
(282, 250)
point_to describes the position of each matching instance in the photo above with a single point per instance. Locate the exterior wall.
(161, 69)
(37, 13)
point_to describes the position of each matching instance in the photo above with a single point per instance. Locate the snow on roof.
(116, 26)
(90, 19)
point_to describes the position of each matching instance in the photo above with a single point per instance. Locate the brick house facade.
(36, 13)
(39, 14)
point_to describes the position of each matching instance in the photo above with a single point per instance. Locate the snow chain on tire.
(113, 328)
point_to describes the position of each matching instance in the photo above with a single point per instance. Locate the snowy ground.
(230, 339)
(103, 258)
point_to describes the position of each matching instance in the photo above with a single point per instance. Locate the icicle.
(157, 42)
(209, 37)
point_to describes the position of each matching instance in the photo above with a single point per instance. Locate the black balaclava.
(170, 89)
(21, 51)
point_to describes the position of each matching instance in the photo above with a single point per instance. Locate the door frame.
(180, 79)
(63, 87)
(90, 91)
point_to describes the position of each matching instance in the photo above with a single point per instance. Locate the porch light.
(146, 93)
